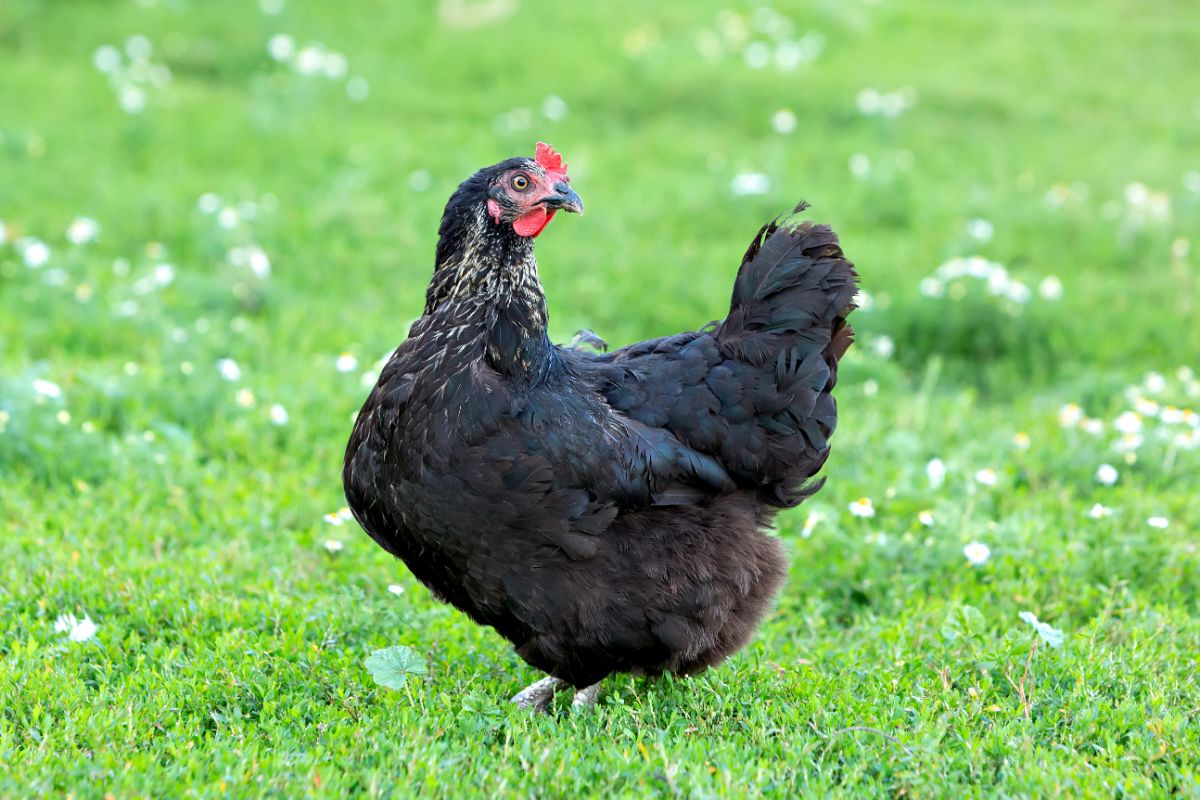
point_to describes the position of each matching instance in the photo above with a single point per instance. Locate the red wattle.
(533, 222)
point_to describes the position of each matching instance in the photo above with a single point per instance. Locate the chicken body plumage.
(604, 513)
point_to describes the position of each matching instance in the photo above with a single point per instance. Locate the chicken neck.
(487, 274)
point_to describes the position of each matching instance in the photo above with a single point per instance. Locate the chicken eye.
(520, 183)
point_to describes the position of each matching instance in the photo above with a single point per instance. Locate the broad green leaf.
(391, 666)
(963, 622)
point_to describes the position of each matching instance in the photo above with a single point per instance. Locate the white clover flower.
(34, 252)
(209, 203)
(335, 65)
(333, 545)
(980, 267)
(1158, 522)
(931, 287)
(1107, 474)
(47, 389)
(358, 89)
(106, 58)
(757, 55)
(986, 476)
(1128, 443)
(1017, 292)
(395, 588)
(977, 553)
(810, 523)
(83, 230)
(281, 47)
(279, 414)
(258, 262)
(1099, 511)
(1070, 415)
(936, 472)
(1050, 288)
(1172, 415)
(860, 165)
(77, 630)
(228, 218)
(229, 369)
(883, 347)
(309, 60)
(1145, 406)
(868, 101)
(420, 180)
(788, 56)
(138, 47)
(926, 518)
(980, 230)
(163, 274)
(863, 508)
(554, 108)
(1128, 423)
(784, 121)
(750, 183)
(131, 99)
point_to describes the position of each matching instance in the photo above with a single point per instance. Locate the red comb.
(549, 159)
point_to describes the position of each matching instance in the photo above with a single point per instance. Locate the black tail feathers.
(792, 278)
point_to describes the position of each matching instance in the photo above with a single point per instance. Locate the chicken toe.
(586, 698)
(587, 339)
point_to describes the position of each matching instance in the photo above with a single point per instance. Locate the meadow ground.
(213, 228)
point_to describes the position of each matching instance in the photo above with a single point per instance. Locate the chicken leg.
(586, 698)
(539, 694)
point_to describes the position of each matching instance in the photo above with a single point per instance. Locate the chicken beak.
(565, 199)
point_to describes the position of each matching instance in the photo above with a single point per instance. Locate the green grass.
(188, 526)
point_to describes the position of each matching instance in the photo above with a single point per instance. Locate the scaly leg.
(538, 694)
(586, 698)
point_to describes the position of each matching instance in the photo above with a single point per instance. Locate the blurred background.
(216, 218)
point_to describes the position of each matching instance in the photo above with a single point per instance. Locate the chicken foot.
(539, 694)
(587, 339)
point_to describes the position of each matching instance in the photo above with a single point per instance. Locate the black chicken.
(604, 513)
